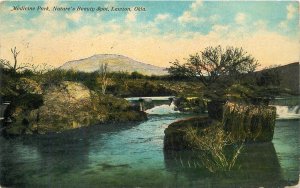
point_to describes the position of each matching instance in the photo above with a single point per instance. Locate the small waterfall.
(163, 109)
(288, 112)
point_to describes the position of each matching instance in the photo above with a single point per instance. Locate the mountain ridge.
(116, 63)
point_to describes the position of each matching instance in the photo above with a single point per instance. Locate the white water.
(286, 112)
(163, 109)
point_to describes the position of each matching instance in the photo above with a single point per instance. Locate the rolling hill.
(115, 63)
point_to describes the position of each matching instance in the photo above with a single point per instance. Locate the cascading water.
(288, 112)
(163, 109)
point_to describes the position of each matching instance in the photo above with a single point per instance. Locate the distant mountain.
(115, 63)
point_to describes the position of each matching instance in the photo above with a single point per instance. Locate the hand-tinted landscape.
(149, 94)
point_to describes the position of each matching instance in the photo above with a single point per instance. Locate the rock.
(175, 134)
(249, 122)
(71, 105)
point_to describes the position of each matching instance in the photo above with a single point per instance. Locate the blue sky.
(167, 30)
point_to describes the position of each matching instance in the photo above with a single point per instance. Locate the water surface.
(132, 156)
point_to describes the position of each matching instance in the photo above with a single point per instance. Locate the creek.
(131, 155)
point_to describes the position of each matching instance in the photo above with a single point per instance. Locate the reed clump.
(216, 149)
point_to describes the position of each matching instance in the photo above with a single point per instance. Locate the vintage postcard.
(149, 93)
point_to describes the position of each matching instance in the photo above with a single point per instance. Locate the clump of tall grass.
(215, 148)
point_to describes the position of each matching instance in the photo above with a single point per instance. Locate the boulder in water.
(71, 105)
(175, 135)
(251, 123)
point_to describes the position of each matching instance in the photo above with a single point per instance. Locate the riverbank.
(60, 100)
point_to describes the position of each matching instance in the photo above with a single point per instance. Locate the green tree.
(215, 68)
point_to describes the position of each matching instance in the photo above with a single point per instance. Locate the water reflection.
(256, 166)
(43, 159)
(14, 161)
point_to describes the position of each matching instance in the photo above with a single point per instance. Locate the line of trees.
(216, 68)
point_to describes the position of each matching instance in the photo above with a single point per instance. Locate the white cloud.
(195, 5)
(240, 18)
(162, 17)
(291, 11)
(131, 17)
(44, 23)
(49, 22)
(187, 17)
(190, 15)
(75, 17)
(55, 49)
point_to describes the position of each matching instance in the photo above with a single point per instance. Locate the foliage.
(269, 76)
(56, 76)
(147, 88)
(249, 94)
(120, 84)
(212, 143)
(192, 104)
(112, 103)
(215, 67)
(30, 101)
(214, 63)
(216, 149)
(136, 75)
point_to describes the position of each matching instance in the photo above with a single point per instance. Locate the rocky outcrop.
(177, 132)
(249, 122)
(217, 145)
(71, 105)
